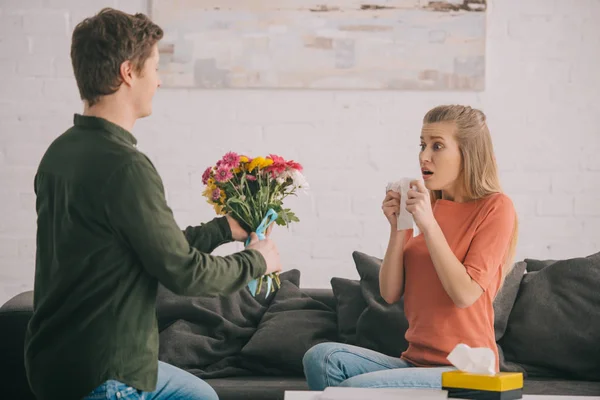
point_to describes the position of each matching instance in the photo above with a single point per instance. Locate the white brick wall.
(541, 99)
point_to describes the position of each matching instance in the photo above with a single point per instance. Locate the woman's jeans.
(336, 364)
(173, 384)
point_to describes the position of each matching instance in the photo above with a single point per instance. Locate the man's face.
(146, 84)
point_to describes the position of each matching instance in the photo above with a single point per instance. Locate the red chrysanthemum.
(206, 175)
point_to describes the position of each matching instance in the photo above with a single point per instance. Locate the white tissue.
(478, 360)
(405, 219)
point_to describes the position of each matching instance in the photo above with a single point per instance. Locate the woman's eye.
(437, 146)
(422, 146)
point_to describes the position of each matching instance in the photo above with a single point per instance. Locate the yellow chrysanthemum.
(259, 162)
(244, 159)
(256, 163)
(237, 170)
(219, 209)
(207, 192)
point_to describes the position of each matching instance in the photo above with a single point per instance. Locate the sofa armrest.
(14, 317)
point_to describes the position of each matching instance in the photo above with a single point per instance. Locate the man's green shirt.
(105, 239)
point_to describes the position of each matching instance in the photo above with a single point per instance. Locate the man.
(106, 236)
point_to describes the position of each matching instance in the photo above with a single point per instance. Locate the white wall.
(542, 100)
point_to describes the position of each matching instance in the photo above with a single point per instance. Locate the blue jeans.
(173, 384)
(336, 364)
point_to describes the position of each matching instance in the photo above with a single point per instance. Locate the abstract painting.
(329, 44)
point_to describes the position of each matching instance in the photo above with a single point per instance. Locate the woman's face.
(440, 158)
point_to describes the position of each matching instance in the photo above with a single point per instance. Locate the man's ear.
(126, 72)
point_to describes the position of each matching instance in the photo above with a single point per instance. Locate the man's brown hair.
(100, 44)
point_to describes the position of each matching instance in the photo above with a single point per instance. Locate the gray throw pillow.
(350, 305)
(204, 335)
(537, 265)
(293, 324)
(378, 314)
(503, 305)
(554, 327)
(505, 299)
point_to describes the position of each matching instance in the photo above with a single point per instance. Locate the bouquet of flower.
(252, 190)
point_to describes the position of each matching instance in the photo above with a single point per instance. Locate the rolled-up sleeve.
(490, 244)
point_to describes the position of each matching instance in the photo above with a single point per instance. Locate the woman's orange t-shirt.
(479, 234)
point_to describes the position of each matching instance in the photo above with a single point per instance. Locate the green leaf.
(286, 216)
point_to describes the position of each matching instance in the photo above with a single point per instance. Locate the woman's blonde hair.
(479, 169)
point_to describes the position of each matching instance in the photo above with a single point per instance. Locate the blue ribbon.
(269, 218)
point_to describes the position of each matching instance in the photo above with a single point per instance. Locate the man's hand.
(269, 251)
(238, 233)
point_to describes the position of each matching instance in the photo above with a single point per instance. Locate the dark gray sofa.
(15, 314)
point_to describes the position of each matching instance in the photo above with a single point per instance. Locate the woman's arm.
(459, 285)
(465, 282)
(391, 274)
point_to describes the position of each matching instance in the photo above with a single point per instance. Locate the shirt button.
(118, 395)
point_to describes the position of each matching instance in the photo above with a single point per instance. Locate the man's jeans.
(173, 384)
(336, 364)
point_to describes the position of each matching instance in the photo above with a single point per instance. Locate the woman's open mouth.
(427, 174)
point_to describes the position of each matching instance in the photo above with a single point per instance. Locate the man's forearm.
(207, 237)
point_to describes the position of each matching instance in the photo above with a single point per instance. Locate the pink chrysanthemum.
(276, 159)
(278, 167)
(216, 194)
(232, 159)
(206, 175)
(251, 178)
(223, 174)
(294, 165)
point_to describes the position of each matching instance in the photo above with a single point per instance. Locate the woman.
(449, 274)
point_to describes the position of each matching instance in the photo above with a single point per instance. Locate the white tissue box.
(465, 385)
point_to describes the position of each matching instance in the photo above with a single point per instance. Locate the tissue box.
(464, 385)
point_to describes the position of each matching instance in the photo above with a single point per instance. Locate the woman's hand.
(391, 208)
(418, 204)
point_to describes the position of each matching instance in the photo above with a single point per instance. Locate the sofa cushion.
(554, 326)
(293, 324)
(560, 387)
(505, 299)
(350, 305)
(204, 335)
(537, 265)
(258, 387)
(14, 318)
(323, 295)
(378, 313)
